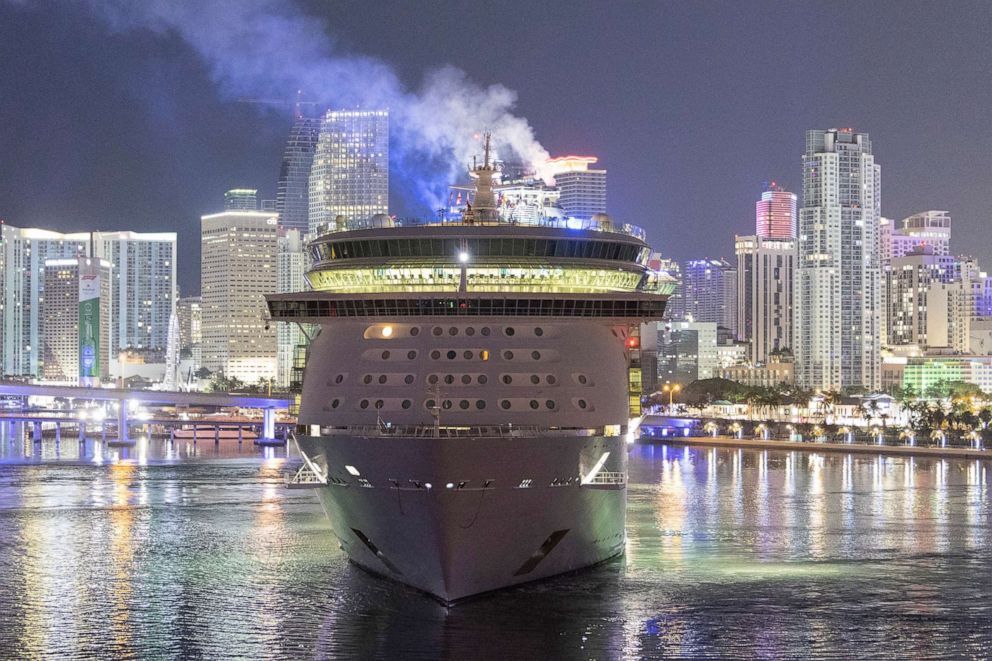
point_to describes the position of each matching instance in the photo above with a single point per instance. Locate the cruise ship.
(469, 388)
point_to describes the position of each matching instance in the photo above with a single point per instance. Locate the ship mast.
(484, 208)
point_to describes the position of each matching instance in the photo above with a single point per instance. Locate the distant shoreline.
(860, 448)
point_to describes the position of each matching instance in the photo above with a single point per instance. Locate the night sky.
(689, 105)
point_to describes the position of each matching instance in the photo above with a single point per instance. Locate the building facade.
(686, 351)
(837, 327)
(775, 214)
(293, 188)
(765, 277)
(290, 341)
(237, 269)
(350, 173)
(709, 292)
(581, 189)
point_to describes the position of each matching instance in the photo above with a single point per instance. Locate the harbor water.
(198, 551)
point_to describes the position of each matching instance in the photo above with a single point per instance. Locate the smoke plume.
(261, 48)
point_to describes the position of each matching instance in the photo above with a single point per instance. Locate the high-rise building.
(293, 189)
(687, 351)
(190, 317)
(290, 341)
(927, 232)
(765, 274)
(907, 281)
(23, 253)
(237, 269)
(775, 214)
(582, 191)
(241, 199)
(144, 287)
(350, 172)
(77, 314)
(709, 292)
(837, 328)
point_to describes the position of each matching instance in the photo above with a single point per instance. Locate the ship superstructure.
(467, 396)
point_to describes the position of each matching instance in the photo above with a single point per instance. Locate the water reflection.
(178, 551)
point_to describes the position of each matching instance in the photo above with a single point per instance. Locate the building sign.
(89, 323)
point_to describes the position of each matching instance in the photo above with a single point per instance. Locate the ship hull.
(456, 517)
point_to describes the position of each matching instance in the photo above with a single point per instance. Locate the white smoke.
(258, 48)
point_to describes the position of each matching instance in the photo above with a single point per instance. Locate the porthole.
(446, 404)
(535, 379)
(536, 355)
(510, 331)
(437, 330)
(466, 379)
(452, 331)
(406, 403)
(415, 331)
(582, 379)
(385, 355)
(408, 379)
(410, 355)
(507, 379)
(534, 404)
(552, 379)
(508, 355)
(430, 403)
(485, 331)
(339, 378)
(467, 355)
(539, 331)
(480, 404)
(379, 403)
(505, 403)
(364, 404)
(463, 405)
(335, 403)
(582, 404)
(435, 354)
(452, 354)
(382, 378)
(367, 379)
(432, 379)
(483, 379)
(449, 379)
(550, 403)
(470, 331)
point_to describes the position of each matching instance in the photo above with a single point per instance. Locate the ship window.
(452, 331)
(435, 354)
(539, 331)
(437, 331)
(536, 355)
(385, 355)
(480, 404)
(510, 331)
(382, 378)
(429, 403)
(483, 379)
(449, 379)
(364, 404)
(505, 404)
(463, 404)
(415, 331)
(550, 403)
(582, 379)
(507, 379)
(406, 403)
(582, 404)
(379, 403)
(535, 379)
(335, 403)
(470, 331)
(411, 355)
(446, 404)
(432, 379)
(367, 379)
(408, 379)
(485, 331)
(466, 379)
(484, 355)
(452, 354)
(339, 378)
(508, 355)
(552, 380)
(468, 355)
(534, 404)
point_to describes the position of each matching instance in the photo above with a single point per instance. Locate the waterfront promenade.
(816, 446)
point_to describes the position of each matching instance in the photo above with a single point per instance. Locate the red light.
(633, 342)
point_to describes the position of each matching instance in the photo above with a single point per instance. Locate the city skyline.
(663, 164)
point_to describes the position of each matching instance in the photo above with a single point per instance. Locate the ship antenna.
(489, 135)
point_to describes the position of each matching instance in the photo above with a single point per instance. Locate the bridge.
(268, 405)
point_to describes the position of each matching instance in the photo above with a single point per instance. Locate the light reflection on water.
(168, 551)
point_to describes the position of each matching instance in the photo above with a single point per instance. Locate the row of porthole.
(468, 354)
(466, 379)
(509, 331)
(464, 404)
(535, 379)
(410, 355)
(383, 378)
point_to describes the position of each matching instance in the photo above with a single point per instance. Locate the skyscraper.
(144, 287)
(582, 191)
(765, 273)
(837, 320)
(350, 172)
(237, 269)
(241, 199)
(709, 292)
(775, 214)
(23, 253)
(927, 231)
(293, 189)
(289, 273)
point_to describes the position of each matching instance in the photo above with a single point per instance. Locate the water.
(200, 552)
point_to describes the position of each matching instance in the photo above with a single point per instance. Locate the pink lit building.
(775, 214)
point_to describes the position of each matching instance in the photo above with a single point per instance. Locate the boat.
(468, 390)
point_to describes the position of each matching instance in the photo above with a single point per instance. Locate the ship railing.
(609, 477)
(305, 478)
(557, 223)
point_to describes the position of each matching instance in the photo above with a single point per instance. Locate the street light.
(671, 389)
